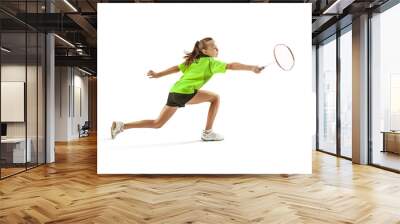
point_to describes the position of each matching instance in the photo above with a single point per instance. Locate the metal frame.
(45, 90)
(317, 97)
(26, 88)
(37, 91)
(0, 92)
(338, 82)
(369, 91)
(387, 5)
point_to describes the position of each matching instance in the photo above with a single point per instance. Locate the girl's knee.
(215, 98)
(157, 124)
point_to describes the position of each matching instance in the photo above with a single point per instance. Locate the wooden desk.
(391, 141)
(16, 147)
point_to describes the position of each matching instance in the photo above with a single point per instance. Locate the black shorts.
(179, 99)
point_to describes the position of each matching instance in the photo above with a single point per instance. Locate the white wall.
(68, 81)
(34, 105)
(12, 73)
(80, 83)
(61, 103)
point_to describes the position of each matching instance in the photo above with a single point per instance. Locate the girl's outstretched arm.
(171, 70)
(238, 66)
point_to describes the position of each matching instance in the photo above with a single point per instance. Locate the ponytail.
(196, 52)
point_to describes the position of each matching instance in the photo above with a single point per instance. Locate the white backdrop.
(266, 118)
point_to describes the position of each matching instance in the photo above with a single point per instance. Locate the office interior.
(48, 116)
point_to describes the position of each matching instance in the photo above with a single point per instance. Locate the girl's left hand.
(151, 74)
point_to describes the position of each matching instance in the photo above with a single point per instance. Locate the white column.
(50, 93)
(360, 90)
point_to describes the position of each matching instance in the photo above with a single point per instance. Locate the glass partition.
(13, 109)
(346, 92)
(385, 89)
(327, 95)
(22, 67)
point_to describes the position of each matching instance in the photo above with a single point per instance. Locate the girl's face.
(211, 49)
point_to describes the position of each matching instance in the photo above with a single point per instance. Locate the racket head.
(284, 57)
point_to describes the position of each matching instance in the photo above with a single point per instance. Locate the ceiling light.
(86, 72)
(70, 5)
(65, 41)
(337, 7)
(5, 49)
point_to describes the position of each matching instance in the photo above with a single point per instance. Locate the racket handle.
(264, 66)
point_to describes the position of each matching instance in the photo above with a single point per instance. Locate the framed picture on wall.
(12, 101)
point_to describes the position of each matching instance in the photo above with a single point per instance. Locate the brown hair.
(196, 52)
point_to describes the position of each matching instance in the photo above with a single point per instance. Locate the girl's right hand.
(257, 69)
(151, 74)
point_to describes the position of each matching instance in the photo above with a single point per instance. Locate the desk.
(17, 150)
(391, 141)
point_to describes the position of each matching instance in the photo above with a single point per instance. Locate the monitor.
(3, 129)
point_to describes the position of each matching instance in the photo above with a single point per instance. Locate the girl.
(199, 66)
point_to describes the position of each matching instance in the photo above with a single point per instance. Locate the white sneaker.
(210, 135)
(116, 128)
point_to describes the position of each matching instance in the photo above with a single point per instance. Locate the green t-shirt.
(197, 74)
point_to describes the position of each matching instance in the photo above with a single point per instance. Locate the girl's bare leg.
(207, 96)
(165, 114)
